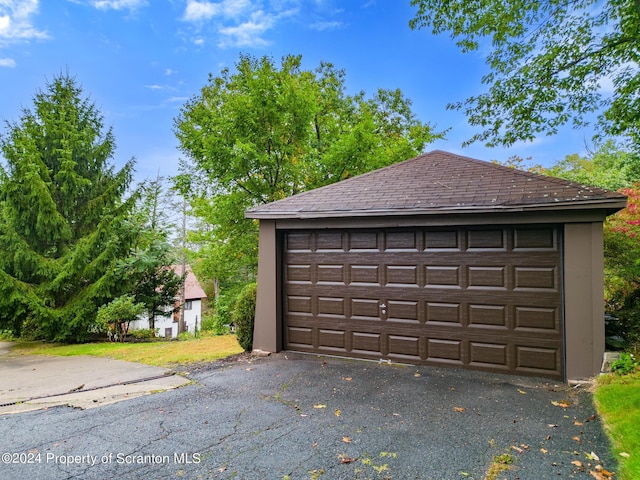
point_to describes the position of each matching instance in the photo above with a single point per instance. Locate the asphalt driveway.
(292, 416)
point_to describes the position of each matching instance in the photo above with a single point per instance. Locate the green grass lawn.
(160, 353)
(617, 399)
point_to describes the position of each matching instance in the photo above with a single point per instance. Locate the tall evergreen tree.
(64, 218)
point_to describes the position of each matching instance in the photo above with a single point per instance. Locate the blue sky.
(141, 60)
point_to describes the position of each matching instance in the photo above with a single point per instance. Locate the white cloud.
(321, 26)
(118, 4)
(239, 23)
(247, 34)
(7, 62)
(201, 11)
(154, 87)
(16, 23)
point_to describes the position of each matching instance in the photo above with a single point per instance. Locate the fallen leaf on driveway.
(459, 409)
(563, 404)
(347, 379)
(320, 405)
(592, 456)
(601, 475)
(544, 450)
(222, 469)
(517, 449)
(577, 423)
(344, 459)
(553, 425)
(577, 463)
(416, 374)
(600, 469)
(522, 392)
(577, 439)
(338, 412)
(346, 439)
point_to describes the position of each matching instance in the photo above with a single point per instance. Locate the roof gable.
(439, 182)
(192, 288)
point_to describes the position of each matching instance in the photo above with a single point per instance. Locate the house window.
(168, 332)
(188, 305)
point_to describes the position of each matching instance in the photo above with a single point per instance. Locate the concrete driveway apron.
(32, 382)
(291, 416)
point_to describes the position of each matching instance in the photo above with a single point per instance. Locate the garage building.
(439, 260)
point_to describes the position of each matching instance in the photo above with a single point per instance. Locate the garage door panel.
(527, 239)
(367, 343)
(404, 347)
(300, 337)
(488, 278)
(439, 241)
(404, 276)
(537, 318)
(329, 242)
(403, 311)
(332, 339)
(443, 276)
(537, 278)
(482, 298)
(444, 351)
(488, 354)
(299, 304)
(365, 309)
(443, 313)
(367, 275)
(363, 242)
(488, 316)
(489, 239)
(539, 360)
(299, 274)
(331, 274)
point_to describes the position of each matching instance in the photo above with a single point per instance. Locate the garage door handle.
(383, 306)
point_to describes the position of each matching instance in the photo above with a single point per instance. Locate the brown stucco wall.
(584, 299)
(267, 330)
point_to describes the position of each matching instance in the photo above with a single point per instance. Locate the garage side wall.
(267, 334)
(584, 299)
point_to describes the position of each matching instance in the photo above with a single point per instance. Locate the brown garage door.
(481, 298)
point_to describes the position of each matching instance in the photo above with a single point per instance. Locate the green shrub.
(208, 323)
(144, 333)
(6, 335)
(626, 364)
(224, 306)
(244, 316)
(186, 336)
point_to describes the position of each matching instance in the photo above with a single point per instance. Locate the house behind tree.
(167, 325)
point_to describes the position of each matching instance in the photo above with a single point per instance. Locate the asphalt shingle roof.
(439, 182)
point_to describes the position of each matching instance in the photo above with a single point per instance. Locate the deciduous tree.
(551, 63)
(268, 131)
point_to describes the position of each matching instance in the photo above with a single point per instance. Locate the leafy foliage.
(115, 317)
(244, 313)
(550, 63)
(626, 364)
(268, 131)
(614, 168)
(63, 219)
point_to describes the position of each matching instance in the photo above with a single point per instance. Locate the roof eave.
(610, 205)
